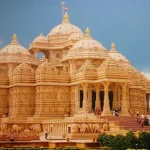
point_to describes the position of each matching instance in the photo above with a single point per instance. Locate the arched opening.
(41, 55)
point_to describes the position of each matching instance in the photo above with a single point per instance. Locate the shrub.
(120, 142)
(131, 139)
(144, 140)
(105, 140)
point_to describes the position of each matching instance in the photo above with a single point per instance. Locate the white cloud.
(147, 74)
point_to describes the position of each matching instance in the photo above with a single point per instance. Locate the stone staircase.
(127, 123)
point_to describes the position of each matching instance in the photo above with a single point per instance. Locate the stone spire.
(113, 45)
(113, 48)
(66, 18)
(87, 32)
(14, 39)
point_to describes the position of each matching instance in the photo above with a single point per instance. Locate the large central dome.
(63, 30)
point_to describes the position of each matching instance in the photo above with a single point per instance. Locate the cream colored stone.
(62, 90)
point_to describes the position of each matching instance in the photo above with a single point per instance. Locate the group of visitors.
(143, 119)
(115, 112)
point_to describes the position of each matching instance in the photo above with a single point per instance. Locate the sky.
(124, 22)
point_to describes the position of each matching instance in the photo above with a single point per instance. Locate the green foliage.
(131, 139)
(120, 142)
(144, 140)
(105, 140)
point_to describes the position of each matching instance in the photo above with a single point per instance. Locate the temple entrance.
(93, 99)
(102, 99)
(110, 100)
(81, 98)
(69, 129)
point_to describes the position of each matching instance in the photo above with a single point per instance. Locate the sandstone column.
(85, 91)
(106, 108)
(124, 106)
(97, 103)
(90, 99)
(115, 99)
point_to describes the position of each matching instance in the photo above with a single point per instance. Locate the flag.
(64, 8)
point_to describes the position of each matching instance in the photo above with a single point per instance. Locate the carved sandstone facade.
(76, 75)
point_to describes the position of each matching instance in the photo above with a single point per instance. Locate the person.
(11, 137)
(46, 134)
(137, 113)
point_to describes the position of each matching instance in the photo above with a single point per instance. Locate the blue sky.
(124, 22)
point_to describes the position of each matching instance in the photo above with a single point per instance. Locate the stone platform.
(50, 144)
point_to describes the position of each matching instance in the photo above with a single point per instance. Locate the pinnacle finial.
(66, 16)
(15, 37)
(112, 45)
(41, 34)
(87, 31)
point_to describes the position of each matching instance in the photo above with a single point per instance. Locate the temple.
(76, 76)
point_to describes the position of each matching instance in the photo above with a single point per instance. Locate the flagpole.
(62, 3)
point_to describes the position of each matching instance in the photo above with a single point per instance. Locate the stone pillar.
(89, 99)
(119, 97)
(115, 98)
(85, 103)
(106, 108)
(124, 106)
(97, 102)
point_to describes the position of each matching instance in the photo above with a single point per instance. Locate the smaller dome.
(76, 36)
(41, 39)
(15, 48)
(15, 53)
(87, 47)
(117, 56)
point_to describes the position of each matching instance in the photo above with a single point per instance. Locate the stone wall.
(3, 102)
(52, 101)
(137, 101)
